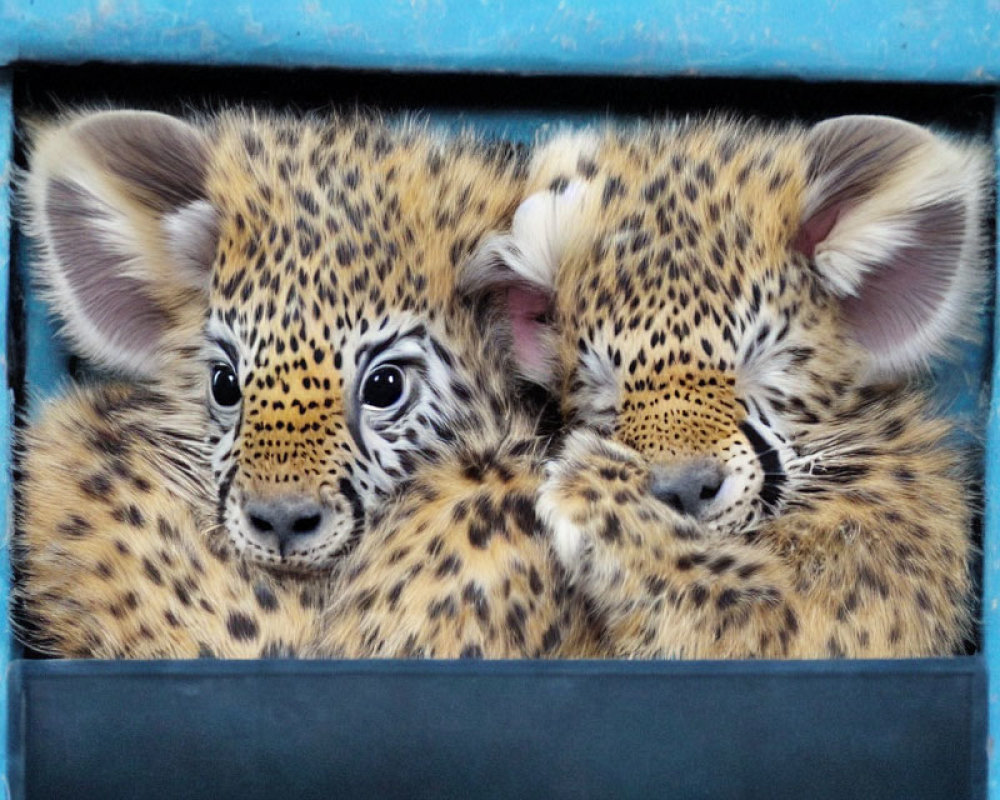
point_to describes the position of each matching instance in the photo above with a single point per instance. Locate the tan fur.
(682, 313)
(111, 558)
(461, 567)
(332, 235)
(866, 553)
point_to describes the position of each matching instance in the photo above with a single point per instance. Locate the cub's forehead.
(681, 203)
(348, 216)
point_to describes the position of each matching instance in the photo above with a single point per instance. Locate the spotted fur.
(116, 554)
(461, 566)
(250, 274)
(733, 318)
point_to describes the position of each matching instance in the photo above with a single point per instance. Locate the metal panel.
(6, 398)
(412, 729)
(775, 721)
(46, 363)
(991, 544)
(844, 39)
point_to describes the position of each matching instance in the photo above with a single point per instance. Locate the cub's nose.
(284, 518)
(688, 486)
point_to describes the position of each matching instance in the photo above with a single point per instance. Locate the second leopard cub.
(733, 317)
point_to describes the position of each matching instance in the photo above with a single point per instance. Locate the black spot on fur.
(366, 599)
(449, 566)
(310, 597)
(474, 595)
(613, 187)
(242, 627)
(586, 167)
(152, 572)
(75, 527)
(471, 651)
(522, 509)
(727, 598)
(721, 564)
(612, 529)
(516, 616)
(265, 597)
(394, 593)
(166, 530)
(551, 639)
(129, 514)
(97, 486)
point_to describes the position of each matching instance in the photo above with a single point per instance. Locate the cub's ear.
(893, 219)
(521, 267)
(116, 203)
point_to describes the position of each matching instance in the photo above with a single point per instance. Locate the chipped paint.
(6, 396)
(991, 543)
(890, 40)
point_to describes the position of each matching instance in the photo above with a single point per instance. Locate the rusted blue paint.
(834, 39)
(991, 541)
(6, 399)
(831, 39)
(45, 358)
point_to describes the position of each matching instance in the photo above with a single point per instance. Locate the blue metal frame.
(45, 358)
(207, 730)
(991, 542)
(888, 39)
(6, 397)
(867, 40)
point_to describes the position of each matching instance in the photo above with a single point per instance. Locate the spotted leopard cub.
(279, 296)
(733, 317)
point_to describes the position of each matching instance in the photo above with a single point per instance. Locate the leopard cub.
(733, 317)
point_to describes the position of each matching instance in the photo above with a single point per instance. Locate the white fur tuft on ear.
(191, 234)
(893, 220)
(533, 248)
(524, 263)
(115, 203)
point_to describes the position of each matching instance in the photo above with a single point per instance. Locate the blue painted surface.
(960, 389)
(892, 39)
(6, 400)
(991, 543)
(958, 383)
(545, 730)
(45, 358)
(907, 40)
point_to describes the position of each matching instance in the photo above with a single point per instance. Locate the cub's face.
(338, 356)
(719, 298)
(295, 280)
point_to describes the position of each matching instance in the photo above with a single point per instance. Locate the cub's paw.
(658, 584)
(596, 503)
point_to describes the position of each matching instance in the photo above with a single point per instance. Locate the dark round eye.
(225, 385)
(383, 386)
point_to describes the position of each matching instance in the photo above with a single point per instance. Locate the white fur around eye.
(597, 397)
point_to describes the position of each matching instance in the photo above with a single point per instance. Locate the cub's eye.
(383, 387)
(225, 385)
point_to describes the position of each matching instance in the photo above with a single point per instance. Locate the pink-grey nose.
(688, 486)
(284, 518)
